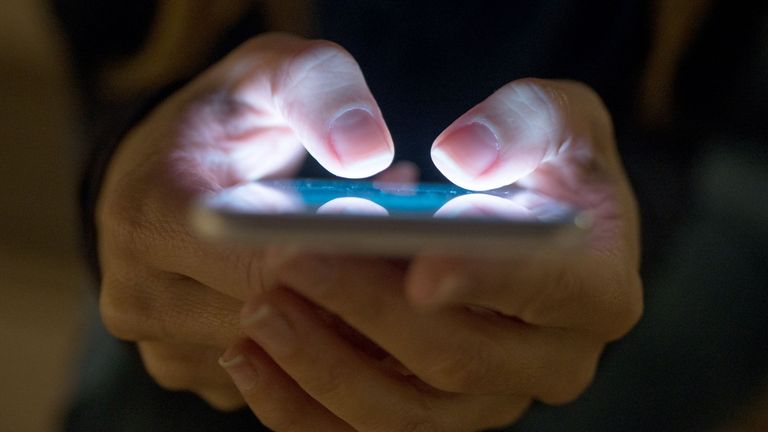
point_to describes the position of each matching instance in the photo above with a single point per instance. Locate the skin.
(321, 342)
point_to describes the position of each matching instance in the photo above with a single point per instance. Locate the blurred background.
(44, 294)
(41, 274)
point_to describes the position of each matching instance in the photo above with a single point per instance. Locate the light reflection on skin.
(352, 205)
(479, 205)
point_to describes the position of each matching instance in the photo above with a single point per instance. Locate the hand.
(475, 339)
(250, 116)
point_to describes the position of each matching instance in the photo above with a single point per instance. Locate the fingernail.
(269, 328)
(472, 149)
(238, 367)
(359, 143)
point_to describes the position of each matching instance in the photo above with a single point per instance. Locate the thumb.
(317, 90)
(519, 127)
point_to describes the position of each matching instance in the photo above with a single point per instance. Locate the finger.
(346, 383)
(589, 292)
(317, 89)
(522, 125)
(150, 305)
(478, 354)
(192, 368)
(272, 395)
(355, 387)
(144, 235)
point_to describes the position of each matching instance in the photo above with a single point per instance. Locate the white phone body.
(349, 216)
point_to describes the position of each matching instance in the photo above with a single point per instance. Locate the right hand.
(250, 116)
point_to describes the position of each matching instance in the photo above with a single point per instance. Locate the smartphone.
(352, 216)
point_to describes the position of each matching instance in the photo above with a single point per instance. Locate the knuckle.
(538, 88)
(541, 107)
(561, 110)
(318, 53)
(256, 44)
(119, 312)
(168, 375)
(131, 311)
(278, 44)
(575, 379)
(601, 115)
(259, 48)
(315, 57)
(267, 41)
(540, 96)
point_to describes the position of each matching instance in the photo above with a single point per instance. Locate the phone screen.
(388, 218)
(403, 201)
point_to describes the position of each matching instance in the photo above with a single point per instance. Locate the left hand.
(475, 339)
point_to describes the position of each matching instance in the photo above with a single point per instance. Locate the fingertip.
(473, 157)
(466, 153)
(239, 366)
(474, 145)
(360, 143)
(502, 173)
(363, 168)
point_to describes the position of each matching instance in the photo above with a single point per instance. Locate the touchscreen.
(354, 198)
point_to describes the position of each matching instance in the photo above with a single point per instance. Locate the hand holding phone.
(181, 298)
